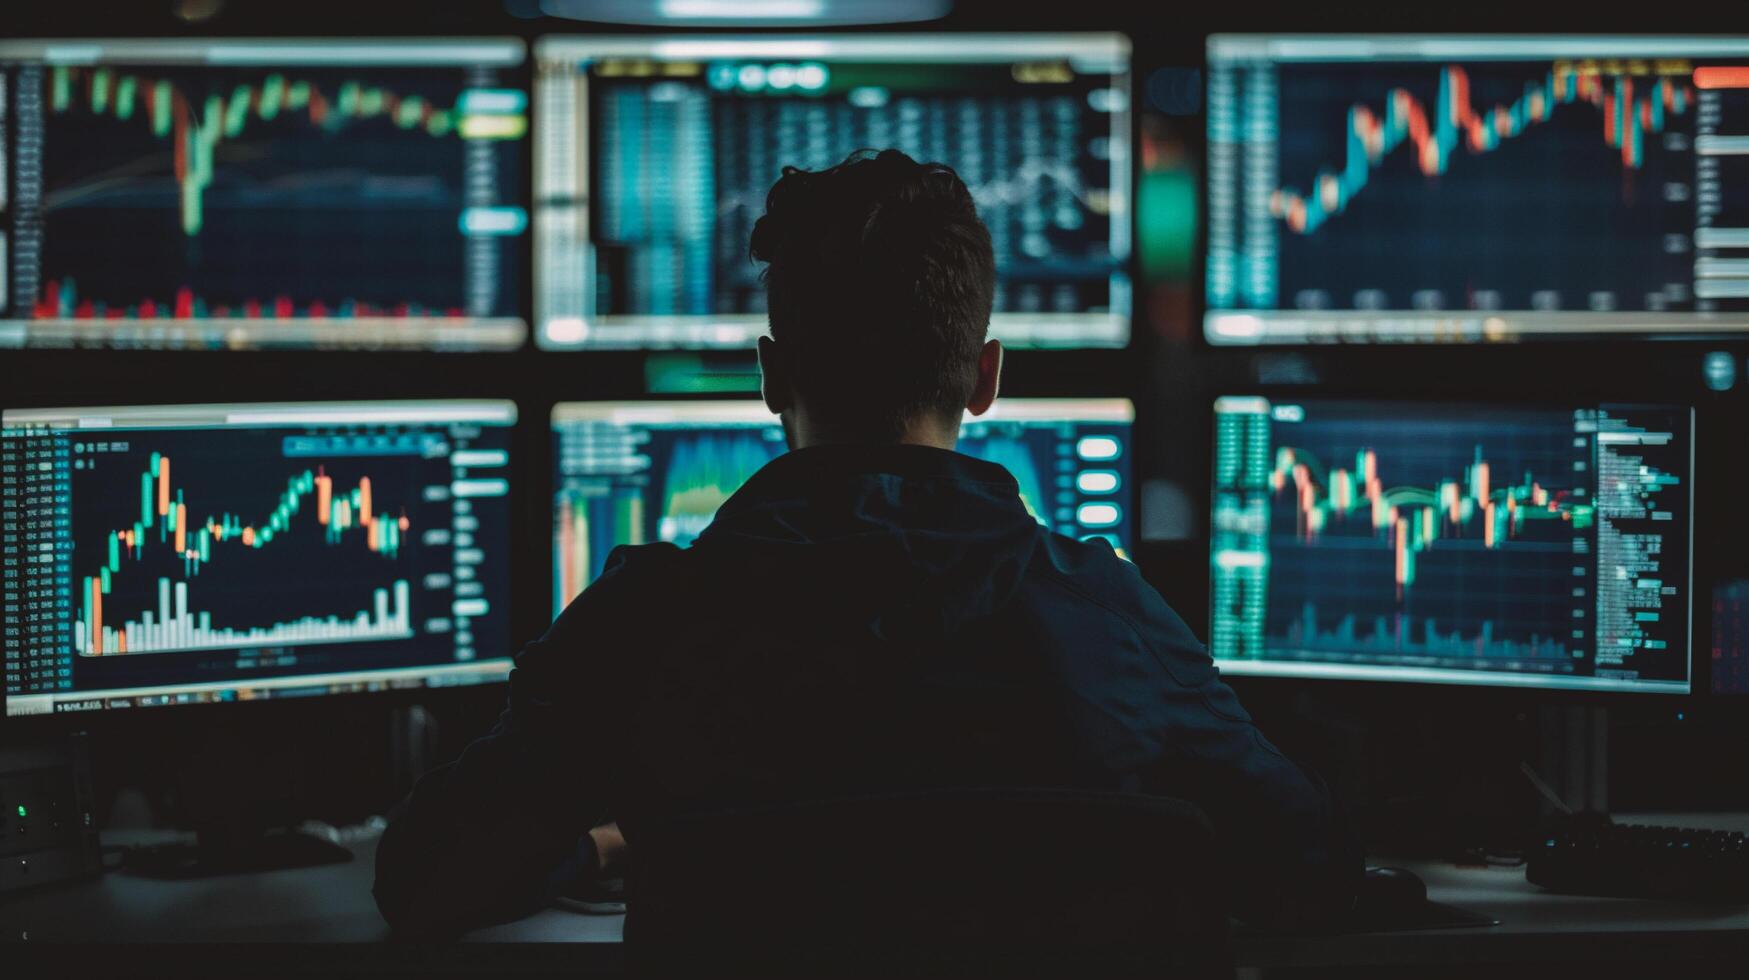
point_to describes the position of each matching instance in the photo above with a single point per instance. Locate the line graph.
(1435, 136)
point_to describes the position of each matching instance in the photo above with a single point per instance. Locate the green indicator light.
(22, 812)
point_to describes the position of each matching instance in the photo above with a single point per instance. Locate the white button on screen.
(1097, 481)
(1098, 447)
(1098, 515)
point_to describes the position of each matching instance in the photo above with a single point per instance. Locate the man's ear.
(989, 378)
(773, 381)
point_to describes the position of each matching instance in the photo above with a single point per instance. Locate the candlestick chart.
(1468, 541)
(240, 201)
(1533, 187)
(1445, 540)
(1455, 538)
(204, 560)
(176, 554)
(1362, 197)
(1432, 134)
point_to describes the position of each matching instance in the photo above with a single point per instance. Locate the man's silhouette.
(870, 612)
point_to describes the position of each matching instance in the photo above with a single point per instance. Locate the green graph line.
(196, 132)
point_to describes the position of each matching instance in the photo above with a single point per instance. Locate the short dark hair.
(879, 263)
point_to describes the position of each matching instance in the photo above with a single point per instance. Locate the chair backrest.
(1023, 881)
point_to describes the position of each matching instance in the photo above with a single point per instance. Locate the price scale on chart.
(311, 504)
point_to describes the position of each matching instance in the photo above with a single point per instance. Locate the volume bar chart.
(175, 628)
(1401, 637)
(60, 300)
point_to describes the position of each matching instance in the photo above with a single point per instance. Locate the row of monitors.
(237, 193)
(158, 555)
(169, 554)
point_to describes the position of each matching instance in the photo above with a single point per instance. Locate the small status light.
(22, 811)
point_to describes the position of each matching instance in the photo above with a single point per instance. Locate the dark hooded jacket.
(855, 620)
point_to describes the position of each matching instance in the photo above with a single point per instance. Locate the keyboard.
(1642, 861)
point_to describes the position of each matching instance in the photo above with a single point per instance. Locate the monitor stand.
(212, 855)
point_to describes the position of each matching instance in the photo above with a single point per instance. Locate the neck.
(803, 431)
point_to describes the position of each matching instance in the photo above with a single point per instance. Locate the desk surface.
(332, 904)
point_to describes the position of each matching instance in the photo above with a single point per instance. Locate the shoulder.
(610, 612)
(1099, 584)
(629, 572)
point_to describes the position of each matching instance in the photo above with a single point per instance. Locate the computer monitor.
(635, 472)
(206, 553)
(654, 156)
(1453, 543)
(205, 193)
(1456, 188)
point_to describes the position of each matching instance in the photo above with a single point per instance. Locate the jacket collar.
(798, 469)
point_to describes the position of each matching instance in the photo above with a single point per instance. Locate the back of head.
(880, 281)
